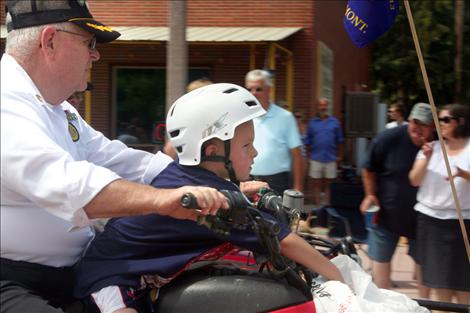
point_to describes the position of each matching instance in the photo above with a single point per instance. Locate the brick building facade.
(324, 59)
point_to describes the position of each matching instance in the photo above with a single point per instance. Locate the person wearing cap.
(58, 173)
(386, 185)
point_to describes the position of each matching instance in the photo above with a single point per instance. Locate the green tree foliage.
(395, 69)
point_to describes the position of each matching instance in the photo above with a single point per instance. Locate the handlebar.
(225, 219)
(242, 214)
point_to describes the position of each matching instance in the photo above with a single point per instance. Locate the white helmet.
(212, 111)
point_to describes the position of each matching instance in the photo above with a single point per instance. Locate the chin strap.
(227, 162)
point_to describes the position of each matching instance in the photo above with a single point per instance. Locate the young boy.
(211, 129)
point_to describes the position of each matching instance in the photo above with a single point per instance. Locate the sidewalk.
(402, 270)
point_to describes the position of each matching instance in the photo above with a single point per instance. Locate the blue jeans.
(382, 244)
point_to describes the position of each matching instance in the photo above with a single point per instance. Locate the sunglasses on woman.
(446, 119)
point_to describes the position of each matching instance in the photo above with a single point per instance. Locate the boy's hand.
(209, 201)
(250, 188)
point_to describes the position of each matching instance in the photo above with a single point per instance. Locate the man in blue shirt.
(277, 139)
(324, 138)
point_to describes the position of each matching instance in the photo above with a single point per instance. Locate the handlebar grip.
(189, 201)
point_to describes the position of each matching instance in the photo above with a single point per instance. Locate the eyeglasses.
(446, 119)
(257, 89)
(91, 42)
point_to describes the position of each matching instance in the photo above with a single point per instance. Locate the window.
(139, 109)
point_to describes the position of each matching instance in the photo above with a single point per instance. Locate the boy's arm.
(298, 250)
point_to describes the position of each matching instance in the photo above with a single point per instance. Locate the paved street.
(402, 270)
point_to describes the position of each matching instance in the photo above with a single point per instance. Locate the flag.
(366, 20)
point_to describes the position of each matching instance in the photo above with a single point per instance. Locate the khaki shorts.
(322, 170)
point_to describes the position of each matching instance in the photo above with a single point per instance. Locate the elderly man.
(57, 172)
(277, 139)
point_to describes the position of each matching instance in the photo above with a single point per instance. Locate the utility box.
(362, 114)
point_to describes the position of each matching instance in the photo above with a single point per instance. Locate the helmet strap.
(227, 162)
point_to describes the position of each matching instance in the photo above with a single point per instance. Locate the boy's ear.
(211, 149)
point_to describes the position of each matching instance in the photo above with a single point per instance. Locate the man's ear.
(48, 40)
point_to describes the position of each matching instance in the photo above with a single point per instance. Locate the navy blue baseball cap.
(27, 13)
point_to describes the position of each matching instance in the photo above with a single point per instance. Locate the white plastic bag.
(360, 294)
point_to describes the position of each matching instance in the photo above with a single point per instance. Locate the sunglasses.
(257, 89)
(446, 119)
(91, 42)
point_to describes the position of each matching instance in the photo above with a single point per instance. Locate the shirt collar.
(270, 112)
(17, 74)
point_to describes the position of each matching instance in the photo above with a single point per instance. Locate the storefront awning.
(203, 34)
(209, 34)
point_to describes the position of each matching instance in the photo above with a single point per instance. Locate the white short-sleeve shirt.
(434, 196)
(52, 164)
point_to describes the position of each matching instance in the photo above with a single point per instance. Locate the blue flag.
(366, 20)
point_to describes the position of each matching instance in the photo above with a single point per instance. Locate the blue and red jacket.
(130, 247)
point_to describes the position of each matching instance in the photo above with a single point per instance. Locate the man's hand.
(124, 198)
(427, 149)
(209, 201)
(367, 202)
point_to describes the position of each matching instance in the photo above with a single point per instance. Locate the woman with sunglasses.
(441, 249)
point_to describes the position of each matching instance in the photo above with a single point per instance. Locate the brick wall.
(206, 12)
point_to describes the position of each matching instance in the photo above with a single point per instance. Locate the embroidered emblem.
(73, 132)
(100, 27)
(70, 116)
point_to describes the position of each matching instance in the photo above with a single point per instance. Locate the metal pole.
(177, 52)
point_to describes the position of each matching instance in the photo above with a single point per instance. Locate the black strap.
(227, 162)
